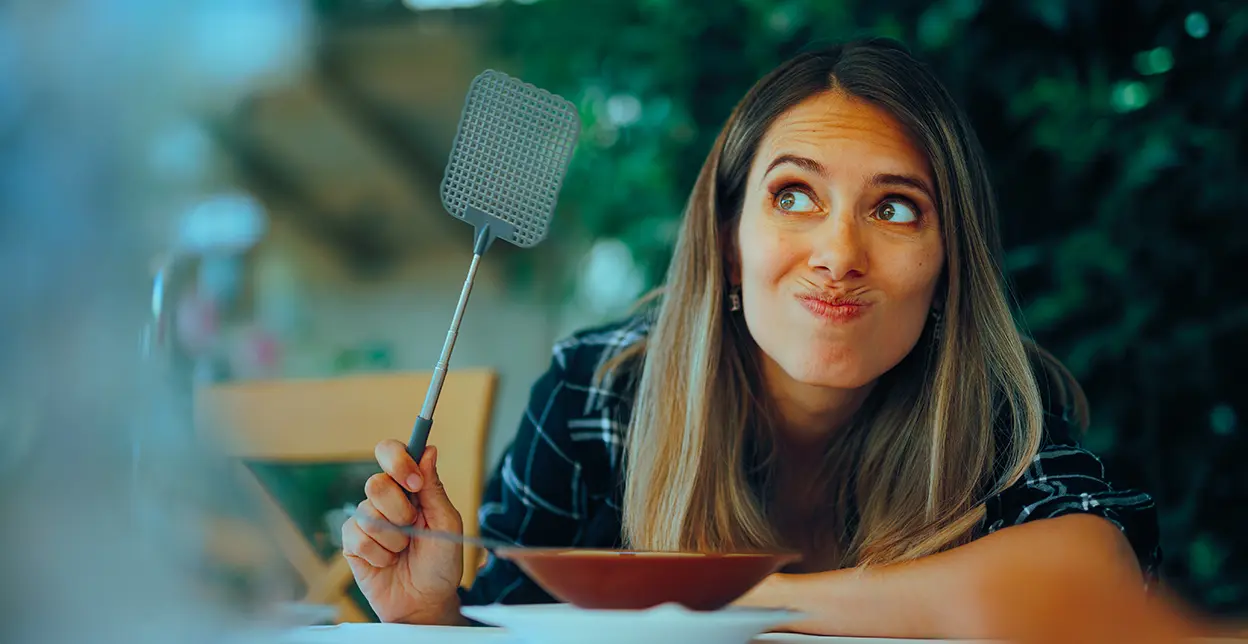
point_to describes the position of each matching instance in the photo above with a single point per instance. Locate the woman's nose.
(837, 249)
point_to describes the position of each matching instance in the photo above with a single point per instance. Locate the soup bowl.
(637, 580)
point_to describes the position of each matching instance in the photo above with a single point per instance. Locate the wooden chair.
(341, 420)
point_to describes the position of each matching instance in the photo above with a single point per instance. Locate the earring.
(734, 298)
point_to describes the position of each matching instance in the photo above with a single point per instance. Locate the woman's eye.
(791, 200)
(897, 212)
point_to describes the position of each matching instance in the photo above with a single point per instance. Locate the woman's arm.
(1045, 574)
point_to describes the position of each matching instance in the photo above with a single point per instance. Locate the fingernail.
(413, 483)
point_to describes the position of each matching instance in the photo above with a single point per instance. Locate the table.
(406, 634)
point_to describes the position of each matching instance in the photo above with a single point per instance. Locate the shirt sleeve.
(537, 494)
(1064, 478)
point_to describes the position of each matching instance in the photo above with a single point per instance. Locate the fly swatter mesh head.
(510, 155)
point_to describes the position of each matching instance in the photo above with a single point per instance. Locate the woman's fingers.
(389, 499)
(381, 529)
(357, 544)
(394, 460)
(436, 506)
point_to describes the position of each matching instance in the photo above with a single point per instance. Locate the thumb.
(439, 512)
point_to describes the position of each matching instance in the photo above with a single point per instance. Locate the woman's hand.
(404, 578)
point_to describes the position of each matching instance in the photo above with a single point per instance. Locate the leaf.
(1205, 557)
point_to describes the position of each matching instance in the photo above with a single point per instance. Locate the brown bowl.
(632, 580)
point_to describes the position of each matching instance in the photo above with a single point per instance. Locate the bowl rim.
(607, 553)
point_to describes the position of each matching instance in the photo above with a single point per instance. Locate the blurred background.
(270, 169)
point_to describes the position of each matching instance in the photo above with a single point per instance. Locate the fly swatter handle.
(420, 436)
(424, 422)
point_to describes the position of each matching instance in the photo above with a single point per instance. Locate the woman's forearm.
(1038, 575)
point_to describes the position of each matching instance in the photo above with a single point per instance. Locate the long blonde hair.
(958, 419)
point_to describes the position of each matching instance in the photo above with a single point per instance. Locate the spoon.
(412, 531)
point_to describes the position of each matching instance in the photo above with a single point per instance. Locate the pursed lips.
(838, 309)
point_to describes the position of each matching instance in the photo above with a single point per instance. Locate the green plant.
(1114, 134)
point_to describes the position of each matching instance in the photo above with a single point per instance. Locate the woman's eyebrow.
(799, 161)
(882, 180)
(904, 180)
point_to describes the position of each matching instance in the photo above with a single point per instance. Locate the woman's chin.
(840, 375)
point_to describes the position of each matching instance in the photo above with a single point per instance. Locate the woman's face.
(839, 245)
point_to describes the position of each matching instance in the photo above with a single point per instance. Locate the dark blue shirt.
(560, 483)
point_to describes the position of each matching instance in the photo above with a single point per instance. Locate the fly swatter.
(507, 164)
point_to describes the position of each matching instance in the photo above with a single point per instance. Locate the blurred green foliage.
(1114, 133)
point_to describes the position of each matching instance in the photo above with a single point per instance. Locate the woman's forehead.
(834, 128)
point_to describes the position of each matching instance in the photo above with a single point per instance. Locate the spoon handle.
(412, 531)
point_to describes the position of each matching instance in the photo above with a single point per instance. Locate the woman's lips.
(841, 309)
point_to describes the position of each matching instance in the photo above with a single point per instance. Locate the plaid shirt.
(560, 482)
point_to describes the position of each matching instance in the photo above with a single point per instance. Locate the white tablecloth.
(404, 634)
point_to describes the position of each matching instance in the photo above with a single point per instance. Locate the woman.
(832, 367)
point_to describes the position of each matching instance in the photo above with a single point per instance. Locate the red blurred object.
(197, 323)
(256, 354)
(630, 580)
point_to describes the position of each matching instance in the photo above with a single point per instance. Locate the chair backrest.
(342, 419)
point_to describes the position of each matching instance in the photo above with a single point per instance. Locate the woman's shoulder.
(567, 449)
(1064, 477)
(602, 360)
(1062, 399)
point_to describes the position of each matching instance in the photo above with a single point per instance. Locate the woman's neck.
(805, 419)
(808, 415)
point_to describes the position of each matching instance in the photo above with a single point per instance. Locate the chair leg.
(349, 612)
(324, 580)
(330, 583)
